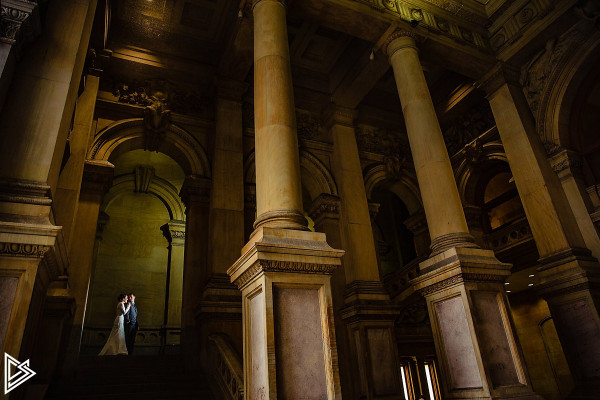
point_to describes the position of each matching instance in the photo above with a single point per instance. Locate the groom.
(131, 324)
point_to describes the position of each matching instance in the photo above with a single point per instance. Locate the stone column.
(284, 272)
(221, 305)
(368, 312)
(195, 194)
(568, 275)
(34, 126)
(69, 181)
(567, 164)
(325, 211)
(97, 178)
(475, 339)
(177, 243)
(473, 215)
(278, 189)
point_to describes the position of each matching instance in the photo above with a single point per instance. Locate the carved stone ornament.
(23, 249)
(468, 126)
(262, 266)
(16, 24)
(157, 118)
(414, 314)
(535, 74)
(325, 206)
(175, 98)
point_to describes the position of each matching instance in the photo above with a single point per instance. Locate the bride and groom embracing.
(125, 327)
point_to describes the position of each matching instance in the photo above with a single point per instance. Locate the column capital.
(17, 21)
(399, 39)
(229, 89)
(176, 232)
(373, 209)
(502, 73)
(97, 176)
(566, 163)
(338, 115)
(195, 189)
(325, 206)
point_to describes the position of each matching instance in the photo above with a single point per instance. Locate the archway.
(140, 249)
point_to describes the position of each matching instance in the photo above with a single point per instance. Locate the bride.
(116, 341)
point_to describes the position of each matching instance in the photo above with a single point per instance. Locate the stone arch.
(162, 189)
(467, 173)
(404, 186)
(316, 177)
(562, 85)
(128, 134)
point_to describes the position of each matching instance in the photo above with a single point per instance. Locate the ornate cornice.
(262, 266)
(461, 278)
(23, 249)
(438, 19)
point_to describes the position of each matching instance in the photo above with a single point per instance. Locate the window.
(432, 384)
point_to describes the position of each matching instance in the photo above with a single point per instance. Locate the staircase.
(132, 378)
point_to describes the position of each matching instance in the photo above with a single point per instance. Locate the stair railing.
(228, 371)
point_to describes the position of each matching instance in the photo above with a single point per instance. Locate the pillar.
(567, 165)
(97, 178)
(284, 272)
(195, 194)
(177, 243)
(568, 274)
(34, 126)
(476, 344)
(69, 181)
(368, 312)
(221, 305)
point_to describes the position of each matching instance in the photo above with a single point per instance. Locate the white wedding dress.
(116, 341)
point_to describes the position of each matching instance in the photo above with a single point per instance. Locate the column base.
(476, 344)
(370, 316)
(569, 281)
(290, 348)
(283, 219)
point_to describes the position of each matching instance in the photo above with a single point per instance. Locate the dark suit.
(131, 327)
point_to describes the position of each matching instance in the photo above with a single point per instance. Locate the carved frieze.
(23, 249)
(261, 266)
(535, 74)
(174, 97)
(467, 127)
(446, 22)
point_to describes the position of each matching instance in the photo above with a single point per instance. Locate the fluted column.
(278, 190)
(476, 343)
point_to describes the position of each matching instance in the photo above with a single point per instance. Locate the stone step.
(132, 377)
